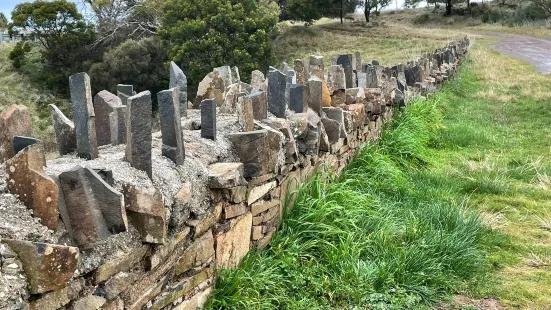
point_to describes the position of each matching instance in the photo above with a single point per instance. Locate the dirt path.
(535, 51)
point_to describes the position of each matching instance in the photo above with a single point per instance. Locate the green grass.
(454, 200)
(388, 234)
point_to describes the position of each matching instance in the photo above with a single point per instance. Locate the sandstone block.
(226, 175)
(233, 245)
(47, 266)
(16, 121)
(146, 211)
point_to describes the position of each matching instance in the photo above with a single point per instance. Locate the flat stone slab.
(47, 266)
(16, 121)
(64, 130)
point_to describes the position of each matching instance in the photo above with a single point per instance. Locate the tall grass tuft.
(385, 235)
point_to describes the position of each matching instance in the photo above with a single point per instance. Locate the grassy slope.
(15, 88)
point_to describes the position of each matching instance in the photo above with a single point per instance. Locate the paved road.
(535, 51)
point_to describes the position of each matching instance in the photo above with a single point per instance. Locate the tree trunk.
(448, 7)
(366, 14)
(342, 11)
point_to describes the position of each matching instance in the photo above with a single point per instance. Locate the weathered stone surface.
(245, 113)
(357, 113)
(178, 80)
(226, 175)
(325, 146)
(178, 290)
(64, 131)
(332, 129)
(231, 97)
(25, 177)
(213, 86)
(258, 81)
(277, 84)
(262, 206)
(233, 245)
(259, 191)
(94, 208)
(83, 115)
(357, 62)
(362, 79)
(345, 61)
(338, 98)
(88, 302)
(197, 301)
(308, 137)
(16, 121)
(355, 95)
(104, 103)
(208, 119)
(289, 144)
(117, 123)
(316, 63)
(47, 266)
(121, 262)
(301, 73)
(127, 90)
(336, 78)
(20, 142)
(315, 95)
(233, 211)
(260, 105)
(198, 253)
(57, 299)
(171, 127)
(337, 114)
(258, 150)
(138, 132)
(146, 211)
(174, 244)
(181, 207)
(298, 101)
(326, 95)
(349, 77)
(118, 283)
(205, 223)
(372, 79)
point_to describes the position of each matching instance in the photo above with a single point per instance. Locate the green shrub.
(18, 54)
(204, 34)
(529, 12)
(139, 63)
(422, 19)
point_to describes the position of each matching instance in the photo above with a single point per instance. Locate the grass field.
(453, 216)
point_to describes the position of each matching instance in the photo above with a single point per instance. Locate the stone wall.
(131, 218)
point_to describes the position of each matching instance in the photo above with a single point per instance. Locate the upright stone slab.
(316, 63)
(298, 101)
(345, 61)
(104, 103)
(277, 84)
(208, 119)
(117, 123)
(362, 79)
(349, 77)
(179, 80)
(245, 114)
(259, 104)
(20, 142)
(95, 210)
(171, 128)
(357, 62)
(258, 81)
(64, 131)
(16, 121)
(301, 72)
(138, 132)
(336, 78)
(124, 92)
(26, 178)
(83, 114)
(146, 212)
(315, 95)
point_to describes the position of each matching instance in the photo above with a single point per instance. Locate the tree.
(310, 10)
(62, 33)
(374, 6)
(545, 5)
(3, 21)
(118, 20)
(139, 63)
(203, 34)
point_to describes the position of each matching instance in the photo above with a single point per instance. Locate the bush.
(422, 19)
(529, 12)
(139, 63)
(18, 53)
(204, 34)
